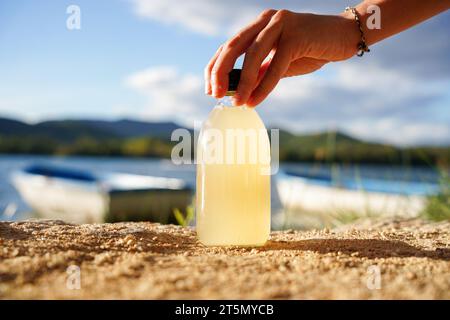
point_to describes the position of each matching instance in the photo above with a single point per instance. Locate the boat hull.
(96, 202)
(300, 195)
(57, 199)
(145, 205)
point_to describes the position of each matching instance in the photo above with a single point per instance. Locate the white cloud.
(378, 104)
(172, 96)
(420, 51)
(396, 131)
(218, 17)
(203, 16)
(397, 93)
(383, 107)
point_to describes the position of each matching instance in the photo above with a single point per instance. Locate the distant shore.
(130, 138)
(437, 162)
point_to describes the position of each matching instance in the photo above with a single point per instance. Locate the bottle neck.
(225, 101)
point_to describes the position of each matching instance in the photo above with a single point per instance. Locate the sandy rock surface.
(384, 259)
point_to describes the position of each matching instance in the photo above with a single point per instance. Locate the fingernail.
(216, 90)
(236, 99)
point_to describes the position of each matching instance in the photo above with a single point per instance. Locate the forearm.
(396, 15)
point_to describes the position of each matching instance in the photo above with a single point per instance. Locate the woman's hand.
(280, 44)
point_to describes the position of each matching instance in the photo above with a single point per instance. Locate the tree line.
(291, 150)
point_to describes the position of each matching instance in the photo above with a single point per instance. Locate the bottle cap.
(233, 80)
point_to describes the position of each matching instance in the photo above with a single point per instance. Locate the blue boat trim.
(87, 178)
(63, 173)
(368, 184)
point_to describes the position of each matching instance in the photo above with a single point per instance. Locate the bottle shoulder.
(229, 117)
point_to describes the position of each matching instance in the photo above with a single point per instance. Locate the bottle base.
(242, 245)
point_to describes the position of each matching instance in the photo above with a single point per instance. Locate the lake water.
(11, 201)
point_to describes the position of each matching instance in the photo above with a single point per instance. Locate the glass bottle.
(233, 175)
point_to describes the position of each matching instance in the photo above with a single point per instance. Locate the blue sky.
(144, 59)
(49, 71)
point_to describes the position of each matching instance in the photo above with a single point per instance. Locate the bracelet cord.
(362, 46)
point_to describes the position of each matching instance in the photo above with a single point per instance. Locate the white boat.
(320, 194)
(84, 197)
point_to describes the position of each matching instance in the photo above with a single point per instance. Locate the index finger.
(208, 69)
(231, 51)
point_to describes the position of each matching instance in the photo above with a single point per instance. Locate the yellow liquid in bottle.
(233, 192)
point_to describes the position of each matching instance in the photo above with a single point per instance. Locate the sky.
(144, 59)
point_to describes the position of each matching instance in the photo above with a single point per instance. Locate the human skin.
(281, 43)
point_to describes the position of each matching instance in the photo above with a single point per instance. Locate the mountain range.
(139, 138)
(69, 130)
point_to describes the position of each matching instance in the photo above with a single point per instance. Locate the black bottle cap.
(233, 80)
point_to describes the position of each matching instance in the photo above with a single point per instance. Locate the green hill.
(152, 139)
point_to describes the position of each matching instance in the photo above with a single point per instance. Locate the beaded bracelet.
(362, 46)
